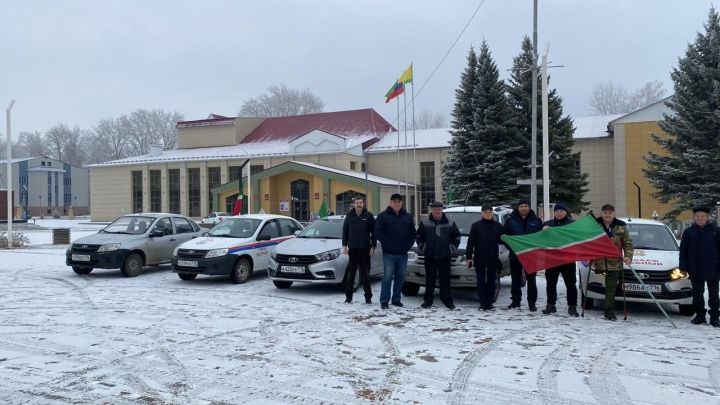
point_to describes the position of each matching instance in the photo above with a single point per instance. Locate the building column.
(204, 191)
(621, 186)
(146, 188)
(184, 209)
(164, 189)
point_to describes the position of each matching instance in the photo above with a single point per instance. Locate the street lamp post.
(9, 176)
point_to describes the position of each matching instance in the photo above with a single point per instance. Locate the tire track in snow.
(604, 382)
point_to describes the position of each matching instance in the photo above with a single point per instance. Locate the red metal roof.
(343, 123)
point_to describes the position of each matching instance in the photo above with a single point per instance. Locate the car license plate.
(81, 258)
(639, 287)
(293, 269)
(187, 263)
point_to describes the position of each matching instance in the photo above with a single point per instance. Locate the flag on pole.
(237, 208)
(397, 89)
(407, 76)
(323, 212)
(583, 239)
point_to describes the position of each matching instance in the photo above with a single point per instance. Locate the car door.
(160, 247)
(270, 229)
(184, 231)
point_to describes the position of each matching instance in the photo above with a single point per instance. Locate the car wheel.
(132, 266)
(411, 289)
(187, 276)
(686, 310)
(81, 270)
(282, 284)
(241, 272)
(497, 287)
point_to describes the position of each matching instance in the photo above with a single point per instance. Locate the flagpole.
(398, 145)
(415, 168)
(407, 168)
(249, 191)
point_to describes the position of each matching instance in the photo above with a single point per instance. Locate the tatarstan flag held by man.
(583, 239)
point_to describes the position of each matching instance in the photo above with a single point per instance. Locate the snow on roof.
(358, 175)
(593, 127)
(213, 153)
(424, 139)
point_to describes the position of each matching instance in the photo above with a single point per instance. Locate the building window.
(193, 182)
(234, 173)
(49, 191)
(42, 163)
(362, 167)
(353, 166)
(213, 175)
(255, 169)
(427, 185)
(174, 191)
(137, 194)
(155, 191)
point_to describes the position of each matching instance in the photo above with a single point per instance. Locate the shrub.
(19, 240)
(56, 214)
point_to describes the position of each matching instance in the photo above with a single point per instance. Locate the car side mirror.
(157, 234)
(296, 233)
(263, 237)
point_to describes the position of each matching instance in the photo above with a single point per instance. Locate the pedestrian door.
(300, 200)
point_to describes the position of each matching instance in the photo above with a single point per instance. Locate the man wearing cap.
(700, 257)
(522, 221)
(395, 230)
(568, 271)
(483, 253)
(437, 238)
(612, 266)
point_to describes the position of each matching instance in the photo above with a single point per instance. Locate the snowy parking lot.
(102, 338)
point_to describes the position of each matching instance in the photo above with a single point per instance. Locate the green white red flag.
(583, 239)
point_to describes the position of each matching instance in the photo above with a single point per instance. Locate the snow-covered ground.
(102, 338)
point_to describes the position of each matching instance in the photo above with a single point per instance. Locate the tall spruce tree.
(567, 183)
(457, 173)
(494, 147)
(688, 173)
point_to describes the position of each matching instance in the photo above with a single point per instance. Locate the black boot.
(699, 319)
(513, 305)
(572, 311)
(368, 300)
(610, 316)
(715, 320)
(549, 309)
(532, 307)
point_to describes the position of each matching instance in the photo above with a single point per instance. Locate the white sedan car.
(215, 217)
(656, 260)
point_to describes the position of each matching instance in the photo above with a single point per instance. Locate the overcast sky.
(80, 61)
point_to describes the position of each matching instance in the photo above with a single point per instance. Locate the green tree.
(567, 184)
(687, 173)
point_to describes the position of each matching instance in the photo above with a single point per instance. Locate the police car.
(234, 247)
(656, 260)
(460, 275)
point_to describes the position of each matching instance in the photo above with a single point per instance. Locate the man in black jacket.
(359, 243)
(568, 271)
(482, 252)
(522, 221)
(700, 257)
(438, 239)
(395, 230)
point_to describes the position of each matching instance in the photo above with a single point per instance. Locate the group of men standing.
(438, 239)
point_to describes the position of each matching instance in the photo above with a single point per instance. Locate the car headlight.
(329, 255)
(216, 253)
(677, 274)
(109, 247)
(273, 254)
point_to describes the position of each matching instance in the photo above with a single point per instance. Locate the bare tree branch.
(282, 101)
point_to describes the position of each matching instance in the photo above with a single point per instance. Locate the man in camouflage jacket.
(612, 266)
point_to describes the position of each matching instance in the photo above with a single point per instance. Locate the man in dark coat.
(522, 221)
(358, 243)
(438, 239)
(700, 257)
(395, 230)
(568, 271)
(482, 252)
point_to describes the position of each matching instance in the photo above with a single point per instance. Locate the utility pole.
(533, 131)
(8, 183)
(546, 136)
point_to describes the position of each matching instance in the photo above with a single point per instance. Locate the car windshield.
(235, 228)
(464, 220)
(323, 228)
(131, 225)
(652, 237)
